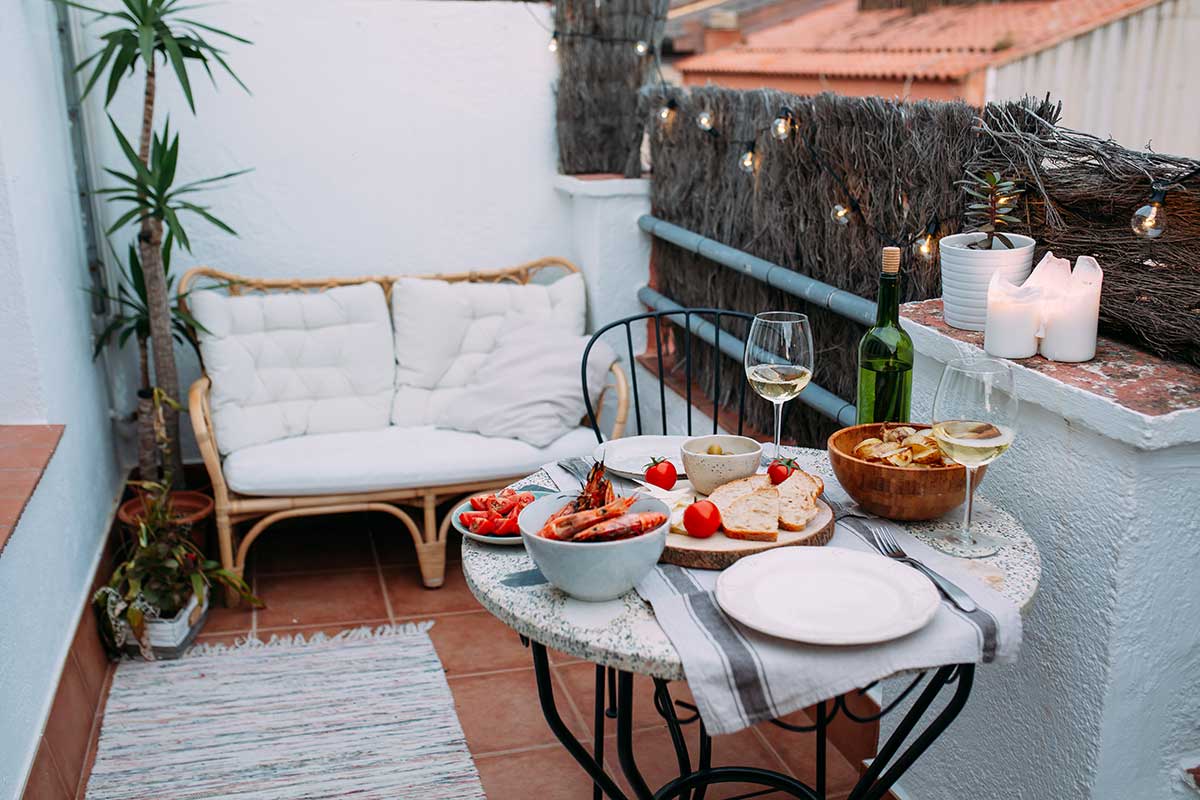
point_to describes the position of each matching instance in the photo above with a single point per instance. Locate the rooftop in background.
(698, 26)
(947, 44)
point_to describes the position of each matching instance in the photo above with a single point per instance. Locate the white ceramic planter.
(170, 637)
(966, 274)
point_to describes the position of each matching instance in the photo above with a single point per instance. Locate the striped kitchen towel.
(740, 677)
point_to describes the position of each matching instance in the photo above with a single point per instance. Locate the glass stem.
(778, 427)
(965, 531)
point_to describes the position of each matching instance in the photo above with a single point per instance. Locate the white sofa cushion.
(529, 387)
(293, 363)
(391, 458)
(445, 331)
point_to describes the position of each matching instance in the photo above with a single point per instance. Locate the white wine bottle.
(885, 354)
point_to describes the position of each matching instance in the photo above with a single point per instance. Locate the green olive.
(715, 450)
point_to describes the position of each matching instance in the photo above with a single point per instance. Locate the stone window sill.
(25, 451)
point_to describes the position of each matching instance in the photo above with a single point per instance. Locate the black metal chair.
(703, 323)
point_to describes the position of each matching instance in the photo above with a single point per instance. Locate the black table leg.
(691, 784)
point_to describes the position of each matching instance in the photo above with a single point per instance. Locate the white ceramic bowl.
(592, 571)
(706, 472)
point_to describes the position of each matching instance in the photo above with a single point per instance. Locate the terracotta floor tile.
(410, 598)
(501, 712)
(88, 652)
(581, 682)
(221, 638)
(30, 435)
(228, 620)
(545, 774)
(25, 456)
(320, 599)
(44, 782)
(477, 642)
(394, 544)
(799, 752)
(69, 726)
(655, 756)
(314, 544)
(10, 508)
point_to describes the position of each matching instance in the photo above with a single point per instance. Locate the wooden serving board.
(719, 551)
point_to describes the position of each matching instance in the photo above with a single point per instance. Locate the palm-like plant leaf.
(150, 28)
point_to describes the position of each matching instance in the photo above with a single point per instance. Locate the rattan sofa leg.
(225, 545)
(431, 550)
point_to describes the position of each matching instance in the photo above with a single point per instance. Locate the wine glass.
(779, 359)
(974, 422)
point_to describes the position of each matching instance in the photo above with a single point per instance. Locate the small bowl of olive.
(712, 461)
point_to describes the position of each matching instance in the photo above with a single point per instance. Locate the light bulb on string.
(1150, 221)
(704, 121)
(553, 46)
(748, 161)
(781, 127)
(667, 112)
(925, 247)
(840, 214)
(641, 47)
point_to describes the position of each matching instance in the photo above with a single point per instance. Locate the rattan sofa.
(429, 534)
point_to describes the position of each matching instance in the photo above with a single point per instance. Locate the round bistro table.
(622, 637)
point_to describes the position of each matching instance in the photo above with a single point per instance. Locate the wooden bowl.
(903, 493)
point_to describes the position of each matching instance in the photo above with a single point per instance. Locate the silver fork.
(578, 467)
(886, 543)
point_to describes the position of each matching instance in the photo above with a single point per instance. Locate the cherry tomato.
(661, 473)
(781, 469)
(702, 519)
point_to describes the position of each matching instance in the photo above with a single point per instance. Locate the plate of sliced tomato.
(492, 518)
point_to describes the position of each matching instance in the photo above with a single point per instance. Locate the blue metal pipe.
(839, 301)
(820, 399)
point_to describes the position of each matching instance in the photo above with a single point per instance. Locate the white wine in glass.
(974, 422)
(779, 359)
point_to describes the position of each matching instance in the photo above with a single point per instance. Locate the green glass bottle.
(885, 354)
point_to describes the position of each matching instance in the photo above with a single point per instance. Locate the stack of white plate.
(967, 273)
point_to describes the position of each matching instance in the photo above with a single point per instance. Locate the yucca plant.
(132, 317)
(990, 208)
(154, 32)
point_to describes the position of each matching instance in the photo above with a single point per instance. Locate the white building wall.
(1133, 80)
(1105, 700)
(385, 138)
(46, 376)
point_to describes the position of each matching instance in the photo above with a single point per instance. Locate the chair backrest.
(670, 357)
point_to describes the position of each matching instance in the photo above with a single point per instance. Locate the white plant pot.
(169, 638)
(966, 274)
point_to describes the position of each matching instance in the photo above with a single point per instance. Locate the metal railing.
(822, 295)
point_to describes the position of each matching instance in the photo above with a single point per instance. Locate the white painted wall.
(1132, 80)
(385, 137)
(45, 340)
(1106, 697)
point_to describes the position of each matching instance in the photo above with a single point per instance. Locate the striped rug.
(364, 714)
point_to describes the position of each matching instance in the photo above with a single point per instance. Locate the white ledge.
(602, 187)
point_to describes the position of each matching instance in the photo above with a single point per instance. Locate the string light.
(781, 127)
(925, 247)
(1150, 221)
(640, 47)
(748, 161)
(840, 214)
(553, 46)
(667, 112)
(704, 120)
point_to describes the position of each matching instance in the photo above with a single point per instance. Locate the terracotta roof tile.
(945, 43)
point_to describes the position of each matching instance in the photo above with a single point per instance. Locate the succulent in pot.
(969, 259)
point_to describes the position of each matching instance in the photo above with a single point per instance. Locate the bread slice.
(753, 516)
(798, 500)
(724, 495)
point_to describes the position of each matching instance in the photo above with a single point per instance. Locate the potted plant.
(969, 259)
(157, 598)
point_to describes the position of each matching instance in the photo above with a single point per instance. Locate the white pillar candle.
(1071, 320)
(1013, 317)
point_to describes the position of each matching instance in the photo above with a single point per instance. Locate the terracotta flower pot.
(187, 507)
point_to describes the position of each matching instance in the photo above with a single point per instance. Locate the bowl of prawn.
(596, 569)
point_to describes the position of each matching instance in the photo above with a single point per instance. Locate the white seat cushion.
(294, 363)
(391, 458)
(445, 331)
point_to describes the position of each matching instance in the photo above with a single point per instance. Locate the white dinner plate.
(628, 457)
(827, 595)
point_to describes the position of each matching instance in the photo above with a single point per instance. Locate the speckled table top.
(624, 633)
(1120, 372)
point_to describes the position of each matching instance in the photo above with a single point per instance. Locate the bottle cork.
(891, 260)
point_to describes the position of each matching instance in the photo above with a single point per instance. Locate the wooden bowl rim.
(907, 470)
